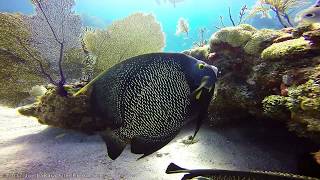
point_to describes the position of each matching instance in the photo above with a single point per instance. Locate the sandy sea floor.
(30, 150)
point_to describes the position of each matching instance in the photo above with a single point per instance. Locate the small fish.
(310, 15)
(60, 135)
(147, 99)
(219, 174)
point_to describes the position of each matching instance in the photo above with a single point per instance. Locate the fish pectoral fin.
(114, 144)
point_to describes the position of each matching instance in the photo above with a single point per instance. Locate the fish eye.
(201, 66)
(310, 15)
(317, 6)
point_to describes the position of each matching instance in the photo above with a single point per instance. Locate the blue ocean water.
(199, 13)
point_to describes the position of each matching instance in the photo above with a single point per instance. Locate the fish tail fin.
(114, 144)
(173, 168)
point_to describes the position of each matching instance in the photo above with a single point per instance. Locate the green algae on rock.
(301, 109)
(287, 49)
(275, 106)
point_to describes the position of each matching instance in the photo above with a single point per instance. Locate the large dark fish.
(147, 99)
(218, 174)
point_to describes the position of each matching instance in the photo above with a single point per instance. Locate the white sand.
(30, 150)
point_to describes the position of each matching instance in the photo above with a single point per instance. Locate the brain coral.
(260, 40)
(235, 36)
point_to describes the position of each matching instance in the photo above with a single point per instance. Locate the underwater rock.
(71, 112)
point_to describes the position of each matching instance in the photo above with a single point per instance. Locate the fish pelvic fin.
(115, 145)
(173, 168)
(196, 94)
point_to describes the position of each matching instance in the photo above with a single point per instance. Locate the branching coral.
(281, 8)
(242, 14)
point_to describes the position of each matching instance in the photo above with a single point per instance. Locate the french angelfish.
(215, 174)
(310, 15)
(148, 98)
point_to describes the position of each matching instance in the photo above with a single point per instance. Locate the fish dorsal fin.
(114, 144)
(84, 89)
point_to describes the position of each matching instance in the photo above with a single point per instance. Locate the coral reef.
(301, 108)
(267, 74)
